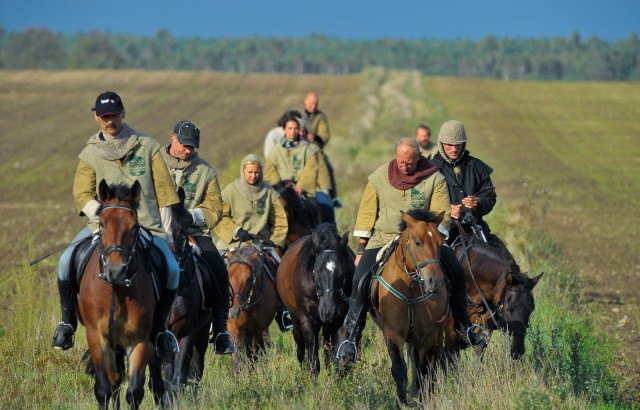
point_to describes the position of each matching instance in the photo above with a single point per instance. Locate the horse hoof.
(63, 337)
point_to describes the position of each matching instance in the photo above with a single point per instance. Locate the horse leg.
(398, 369)
(299, 339)
(414, 360)
(103, 384)
(181, 362)
(311, 338)
(156, 384)
(196, 367)
(138, 358)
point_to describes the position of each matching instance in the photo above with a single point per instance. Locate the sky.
(347, 19)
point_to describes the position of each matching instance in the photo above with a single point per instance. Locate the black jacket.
(475, 181)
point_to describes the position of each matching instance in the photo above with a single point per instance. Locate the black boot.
(221, 339)
(63, 336)
(283, 318)
(165, 341)
(351, 331)
(461, 320)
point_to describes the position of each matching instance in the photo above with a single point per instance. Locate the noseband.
(247, 303)
(415, 273)
(127, 254)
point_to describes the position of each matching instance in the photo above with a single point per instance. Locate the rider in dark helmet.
(408, 181)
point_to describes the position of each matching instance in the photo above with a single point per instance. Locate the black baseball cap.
(188, 133)
(108, 103)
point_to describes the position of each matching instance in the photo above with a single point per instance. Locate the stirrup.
(229, 349)
(347, 342)
(482, 335)
(170, 346)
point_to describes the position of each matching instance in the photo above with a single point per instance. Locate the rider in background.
(203, 200)
(428, 147)
(251, 207)
(119, 154)
(275, 135)
(471, 190)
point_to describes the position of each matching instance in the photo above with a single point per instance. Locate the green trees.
(569, 58)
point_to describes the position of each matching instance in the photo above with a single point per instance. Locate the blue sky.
(348, 19)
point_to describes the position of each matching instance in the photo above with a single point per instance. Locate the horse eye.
(417, 243)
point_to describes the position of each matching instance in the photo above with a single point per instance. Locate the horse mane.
(420, 214)
(329, 240)
(244, 254)
(121, 193)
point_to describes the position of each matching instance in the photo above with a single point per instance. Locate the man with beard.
(423, 136)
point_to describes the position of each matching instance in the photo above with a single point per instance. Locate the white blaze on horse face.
(330, 266)
(430, 234)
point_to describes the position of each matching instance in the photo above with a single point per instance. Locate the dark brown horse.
(410, 298)
(116, 302)
(254, 301)
(302, 214)
(501, 296)
(191, 312)
(314, 282)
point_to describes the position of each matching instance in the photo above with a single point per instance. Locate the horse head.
(517, 307)
(180, 222)
(119, 230)
(333, 270)
(244, 264)
(421, 246)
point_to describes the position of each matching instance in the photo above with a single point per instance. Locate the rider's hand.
(243, 235)
(471, 202)
(298, 190)
(188, 218)
(456, 210)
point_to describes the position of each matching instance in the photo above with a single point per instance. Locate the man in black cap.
(119, 154)
(203, 199)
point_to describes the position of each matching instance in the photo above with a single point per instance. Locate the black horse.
(191, 313)
(303, 213)
(314, 282)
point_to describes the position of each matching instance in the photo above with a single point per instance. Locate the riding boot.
(221, 339)
(283, 318)
(461, 320)
(63, 336)
(165, 341)
(351, 331)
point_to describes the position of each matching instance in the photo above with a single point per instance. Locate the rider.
(120, 154)
(253, 207)
(199, 181)
(471, 190)
(275, 134)
(407, 182)
(427, 145)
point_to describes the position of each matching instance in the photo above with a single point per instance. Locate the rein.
(465, 247)
(246, 301)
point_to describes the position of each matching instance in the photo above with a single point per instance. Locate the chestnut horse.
(501, 297)
(117, 301)
(191, 312)
(411, 301)
(314, 282)
(254, 301)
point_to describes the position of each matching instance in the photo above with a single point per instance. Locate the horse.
(411, 302)
(117, 302)
(501, 296)
(302, 214)
(192, 310)
(314, 283)
(254, 301)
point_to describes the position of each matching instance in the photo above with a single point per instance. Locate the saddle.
(381, 261)
(195, 269)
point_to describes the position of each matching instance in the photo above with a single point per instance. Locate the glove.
(242, 235)
(188, 218)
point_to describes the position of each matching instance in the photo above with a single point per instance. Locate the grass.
(572, 359)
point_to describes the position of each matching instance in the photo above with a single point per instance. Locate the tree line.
(558, 58)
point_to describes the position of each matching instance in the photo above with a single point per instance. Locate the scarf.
(403, 182)
(176, 163)
(289, 143)
(251, 192)
(113, 148)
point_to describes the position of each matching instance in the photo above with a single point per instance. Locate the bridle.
(127, 253)
(319, 291)
(245, 297)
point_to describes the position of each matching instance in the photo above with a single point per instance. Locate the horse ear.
(407, 218)
(104, 193)
(440, 217)
(134, 192)
(345, 239)
(509, 279)
(181, 195)
(315, 238)
(535, 280)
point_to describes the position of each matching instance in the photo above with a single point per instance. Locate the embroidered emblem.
(418, 198)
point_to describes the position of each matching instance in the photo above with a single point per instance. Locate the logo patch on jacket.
(189, 190)
(261, 205)
(418, 198)
(137, 166)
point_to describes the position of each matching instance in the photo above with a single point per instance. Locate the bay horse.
(254, 301)
(411, 302)
(192, 310)
(302, 214)
(117, 300)
(314, 282)
(501, 296)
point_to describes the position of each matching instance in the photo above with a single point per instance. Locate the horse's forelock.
(244, 254)
(328, 236)
(419, 214)
(121, 193)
